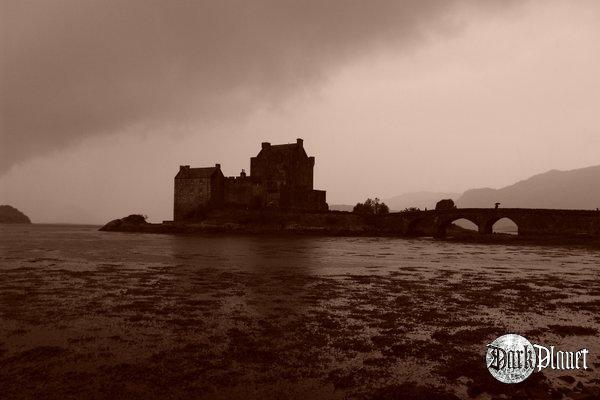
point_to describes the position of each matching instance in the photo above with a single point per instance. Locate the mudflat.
(88, 314)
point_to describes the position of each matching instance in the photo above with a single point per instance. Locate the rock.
(123, 224)
(112, 225)
(134, 219)
(10, 215)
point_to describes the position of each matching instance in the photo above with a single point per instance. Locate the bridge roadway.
(530, 222)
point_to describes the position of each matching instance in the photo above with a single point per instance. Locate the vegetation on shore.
(371, 207)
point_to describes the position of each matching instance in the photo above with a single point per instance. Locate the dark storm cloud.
(72, 69)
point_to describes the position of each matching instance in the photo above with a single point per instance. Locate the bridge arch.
(488, 226)
(443, 224)
(464, 224)
(506, 225)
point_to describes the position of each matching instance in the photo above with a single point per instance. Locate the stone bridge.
(530, 222)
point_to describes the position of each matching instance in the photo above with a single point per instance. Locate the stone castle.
(281, 177)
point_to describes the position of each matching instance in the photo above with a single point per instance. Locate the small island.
(10, 215)
(278, 197)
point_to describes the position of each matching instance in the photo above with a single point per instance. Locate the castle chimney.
(243, 174)
(218, 166)
(300, 142)
(266, 145)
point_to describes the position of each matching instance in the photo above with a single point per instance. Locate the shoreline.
(456, 235)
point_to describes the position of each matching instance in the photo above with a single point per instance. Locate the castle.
(281, 177)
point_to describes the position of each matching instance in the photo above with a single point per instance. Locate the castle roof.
(193, 173)
(286, 149)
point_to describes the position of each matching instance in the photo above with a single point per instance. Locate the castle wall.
(190, 194)
(275, 168)
(244, 192)
(306, 200)
(217, 189)
(278, 168)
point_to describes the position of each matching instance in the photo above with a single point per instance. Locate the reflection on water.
(111, 315)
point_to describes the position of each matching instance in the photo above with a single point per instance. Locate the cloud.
(74, 69)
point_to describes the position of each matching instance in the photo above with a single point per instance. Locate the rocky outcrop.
(131, 223)
(10, 215)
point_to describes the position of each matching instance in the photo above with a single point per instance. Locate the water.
(113, 315)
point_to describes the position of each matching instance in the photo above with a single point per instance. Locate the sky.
(101, 101)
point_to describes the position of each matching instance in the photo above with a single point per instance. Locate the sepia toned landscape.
(297, 200)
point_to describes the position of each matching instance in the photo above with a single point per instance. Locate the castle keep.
(281, 177)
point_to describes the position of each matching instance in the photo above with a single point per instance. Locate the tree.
(445, 204)
(371, 207)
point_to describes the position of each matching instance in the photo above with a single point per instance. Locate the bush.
(371, 207)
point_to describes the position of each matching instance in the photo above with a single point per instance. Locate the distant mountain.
(575, 189)
(341, 207)
(10, 215)
(420, 200)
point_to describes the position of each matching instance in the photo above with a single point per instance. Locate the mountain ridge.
(555, 189)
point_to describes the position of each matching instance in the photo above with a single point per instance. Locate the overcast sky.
(101, 101)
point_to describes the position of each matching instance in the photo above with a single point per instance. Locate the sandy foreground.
(91, 328)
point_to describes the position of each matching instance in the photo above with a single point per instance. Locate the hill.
(574, 189)
(10, 215)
